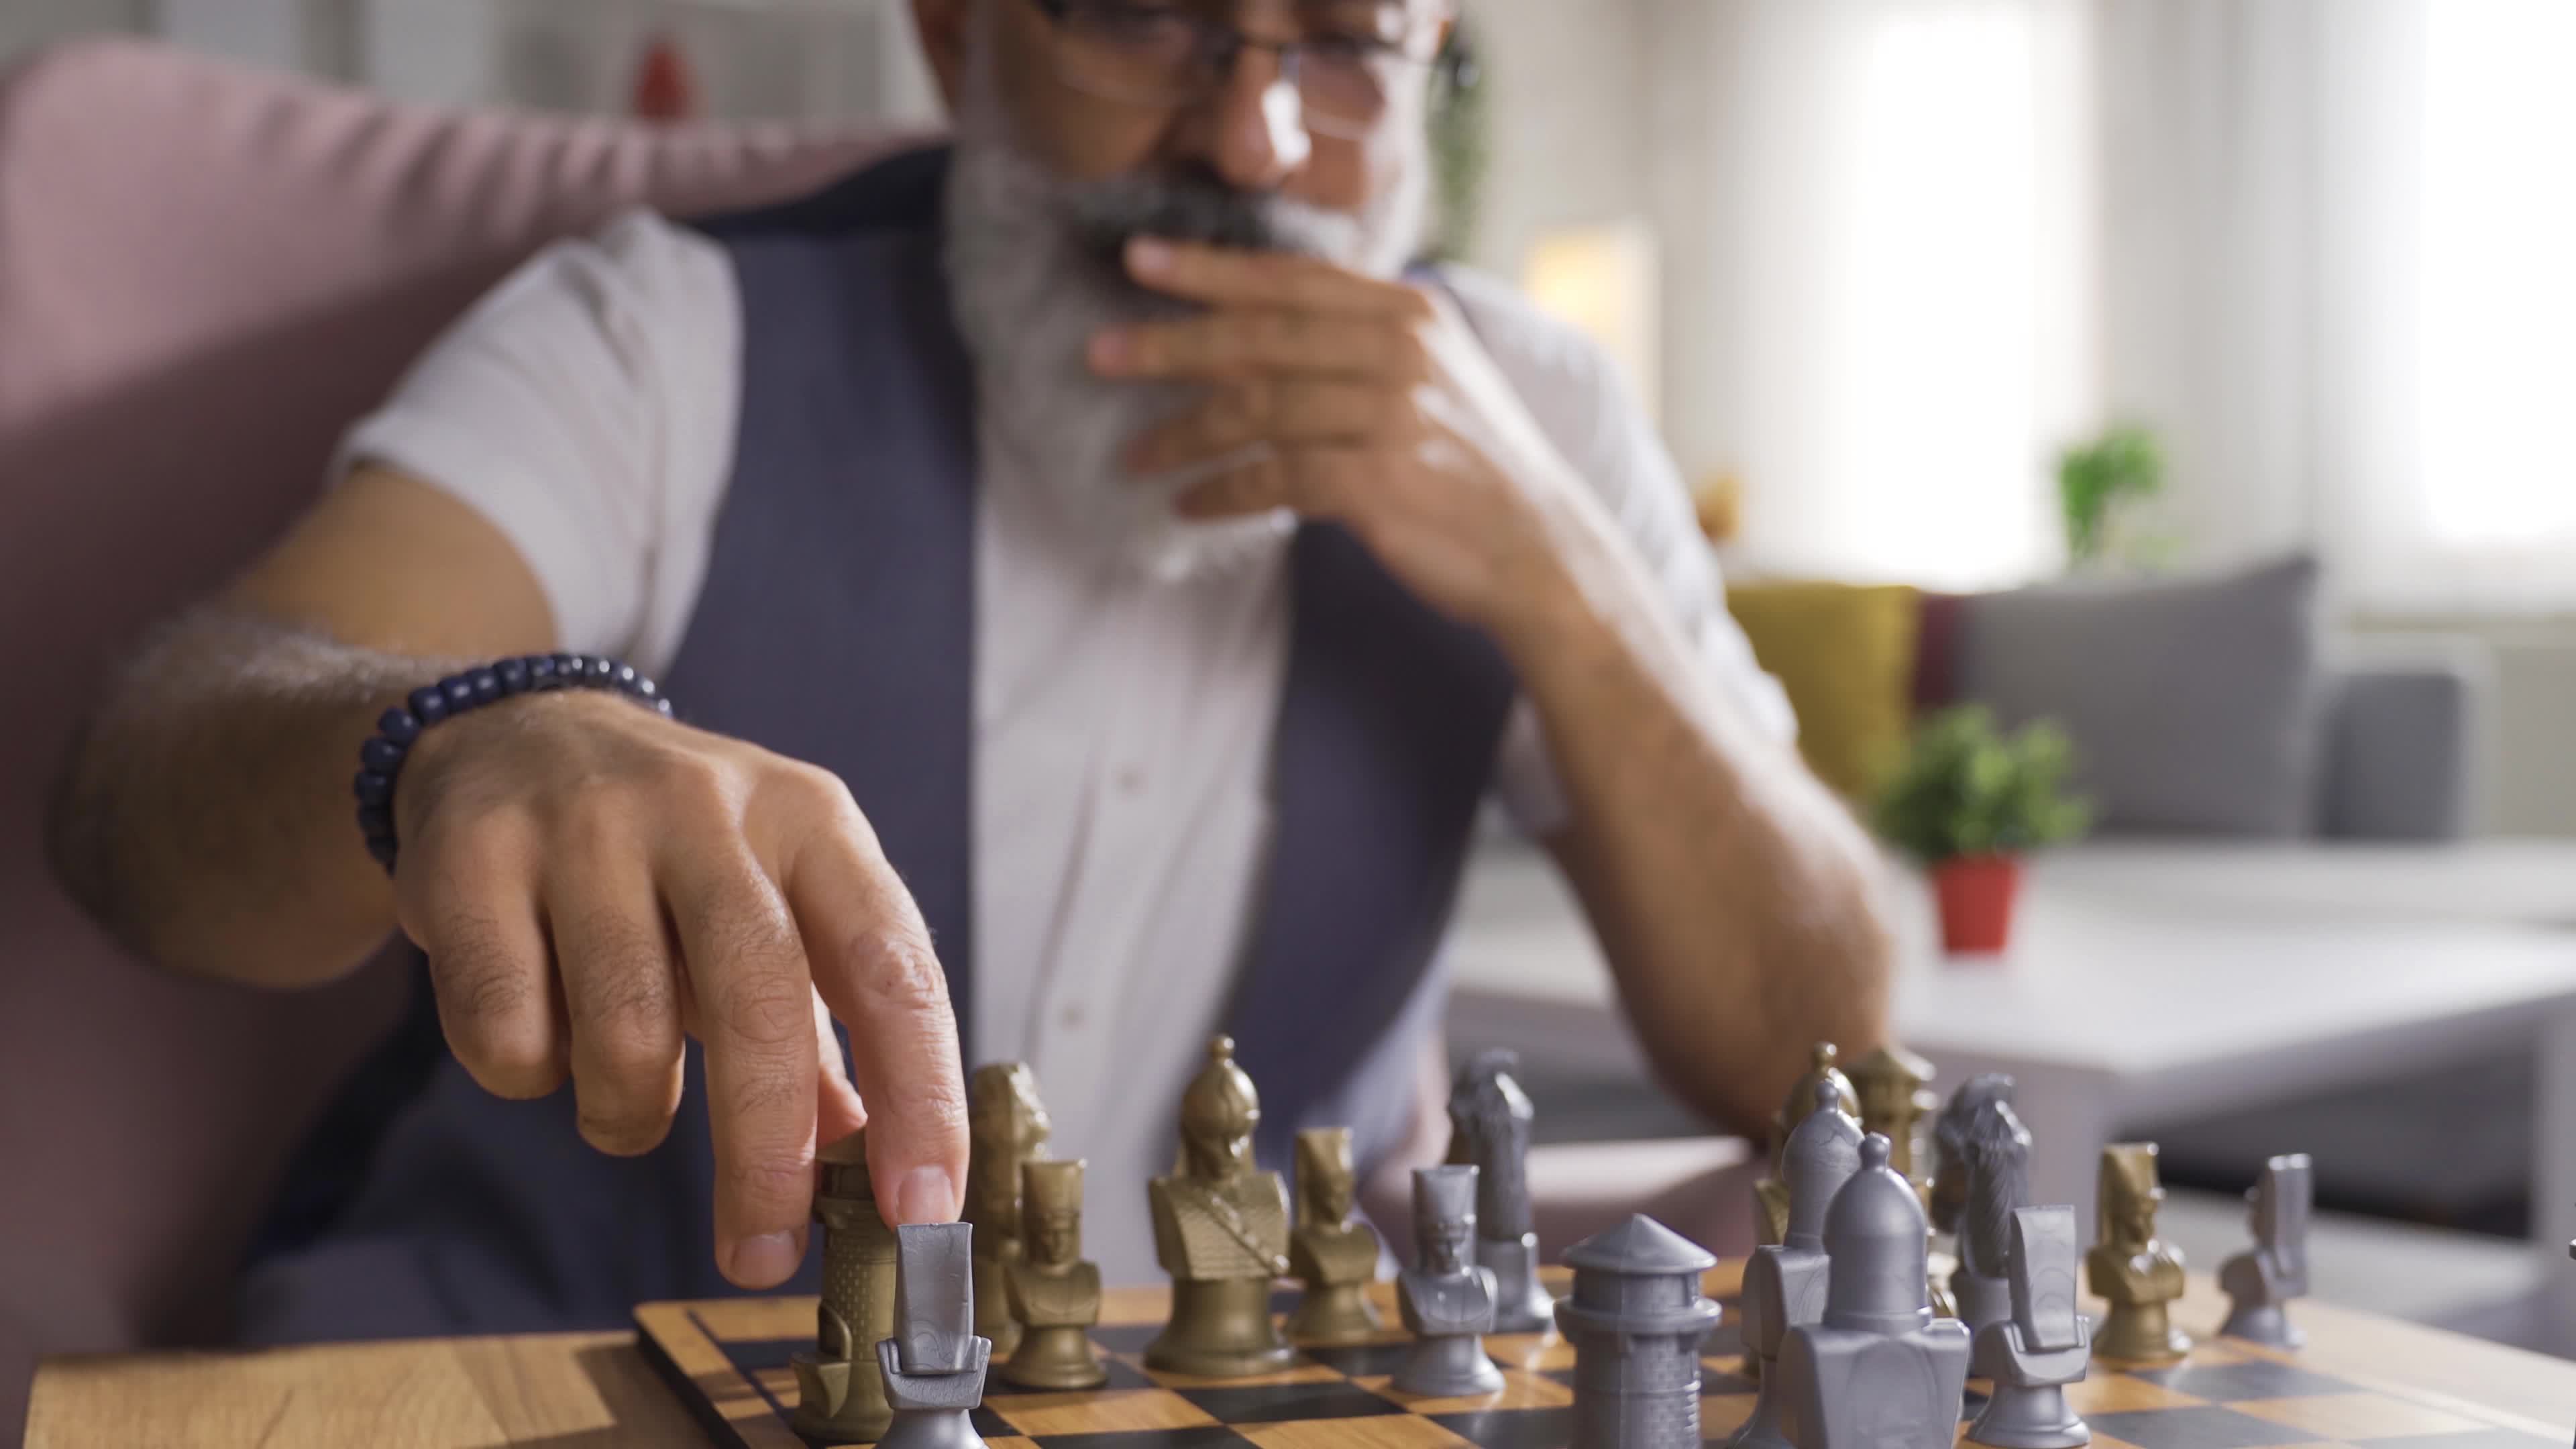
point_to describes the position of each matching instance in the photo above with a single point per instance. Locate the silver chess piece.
(2261, 1281)
(1879, 1372)
(1984, 1175)
(1489, 1122)
(1448, 1302)
(1636, 1319)
(934, 1365)
(1784, 1283)
(2043, 1346)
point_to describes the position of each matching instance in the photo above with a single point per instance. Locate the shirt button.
(1072, 1017)
(1131, 780)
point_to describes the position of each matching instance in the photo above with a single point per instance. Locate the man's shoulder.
(1533, 346)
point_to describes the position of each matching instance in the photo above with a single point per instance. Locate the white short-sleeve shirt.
(588, 408)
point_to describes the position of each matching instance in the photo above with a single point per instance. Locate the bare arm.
(206, 816)
(1733, 895)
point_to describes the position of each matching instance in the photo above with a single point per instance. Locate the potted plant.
(2096, 482)
(1968, 802)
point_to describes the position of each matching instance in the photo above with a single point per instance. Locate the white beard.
(1032, 265)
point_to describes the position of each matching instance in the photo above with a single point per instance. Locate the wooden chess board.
(728, 1361)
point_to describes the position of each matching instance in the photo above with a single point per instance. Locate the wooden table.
(594, 1391)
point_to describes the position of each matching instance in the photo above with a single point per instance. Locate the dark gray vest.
(837, 626)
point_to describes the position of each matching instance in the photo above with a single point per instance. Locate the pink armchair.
(205, 273)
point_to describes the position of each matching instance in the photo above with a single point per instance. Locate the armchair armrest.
(2406, 726)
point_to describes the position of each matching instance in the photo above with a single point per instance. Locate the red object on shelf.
(665, 88)
(1977, 893)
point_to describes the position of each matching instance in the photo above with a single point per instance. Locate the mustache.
(1109, 213)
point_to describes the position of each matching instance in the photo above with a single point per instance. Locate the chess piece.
(1771, 1193)
(1636, 1318)
(1006, 1125)
(2129, 1268)
(840, 1393)
(1784, 1283)
(934, 1362)
(1949, 1193)
(2261, 1281)
(1989, 1153)
(1332, 1252)
(1449, 1301)
(1489, 1120)
(1878, 1371)
(1054, 1294)
(2042, 1347)
(1221, 1231)
(1802, 1098)
(1896, 1102)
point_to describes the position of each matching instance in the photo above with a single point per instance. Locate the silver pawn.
(1448, 1302)
(2044, 1346)
(1784, 1284)
(2261, 1281)
(934, 1366)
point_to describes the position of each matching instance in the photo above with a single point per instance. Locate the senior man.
(1100, 583)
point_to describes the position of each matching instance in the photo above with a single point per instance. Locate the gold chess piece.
(1770, 1194)
(2137, 1274)
(1055, 1294)
(840, 1389)
(1221, 1231)
(1006, 1126)
(1896, 1101)
(1333, 1253)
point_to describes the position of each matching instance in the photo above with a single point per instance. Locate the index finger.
(1225, 276)
(874, 965)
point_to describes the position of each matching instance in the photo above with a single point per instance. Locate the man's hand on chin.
(1379, 411)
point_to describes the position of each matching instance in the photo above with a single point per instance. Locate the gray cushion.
(2194, 703)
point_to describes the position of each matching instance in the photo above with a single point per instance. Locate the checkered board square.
(729, 1361)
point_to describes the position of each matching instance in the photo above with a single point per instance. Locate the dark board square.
(2227, 1383)
(2194, 1428)
(992, 1425)
(2471, 1440)
(1367, 1360)
(757, 1355)
(2475, 1439)
(1126, 1337)
(1277, 1403)
(1203, 1436)
(1512, 1428)
(1972, 1403)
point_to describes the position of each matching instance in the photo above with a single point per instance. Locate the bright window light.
(2499, 277)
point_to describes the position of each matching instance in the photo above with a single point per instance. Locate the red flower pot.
(1976, 894)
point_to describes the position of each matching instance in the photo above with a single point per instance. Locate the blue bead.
(376, 820)
(602, 670)
(459, 691)
(428, 704)
(624, 677)
(383, 851)
(398, 725)
(487, 686)
(541, 671)
(513, 674)
(373, 788)
(569, 669)
(381, 755)
(664, 706)
(645, 689)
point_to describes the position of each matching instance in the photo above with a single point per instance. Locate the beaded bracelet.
(380, 759)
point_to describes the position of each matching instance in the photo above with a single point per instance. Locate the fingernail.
(926, 1195)
(1149, 257)
(767, 1260)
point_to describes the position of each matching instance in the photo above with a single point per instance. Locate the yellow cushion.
(1845, 654)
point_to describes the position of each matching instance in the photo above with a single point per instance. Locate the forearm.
(1735, 897)
(204, 813)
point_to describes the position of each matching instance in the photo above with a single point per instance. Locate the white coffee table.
(2118, 1008)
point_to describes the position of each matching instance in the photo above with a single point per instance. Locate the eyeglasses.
(1157, 53)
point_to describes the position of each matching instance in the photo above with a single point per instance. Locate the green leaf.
(1965, 788)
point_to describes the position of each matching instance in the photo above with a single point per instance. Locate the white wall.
(26, 24)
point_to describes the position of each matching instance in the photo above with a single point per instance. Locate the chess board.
(729, 1361)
